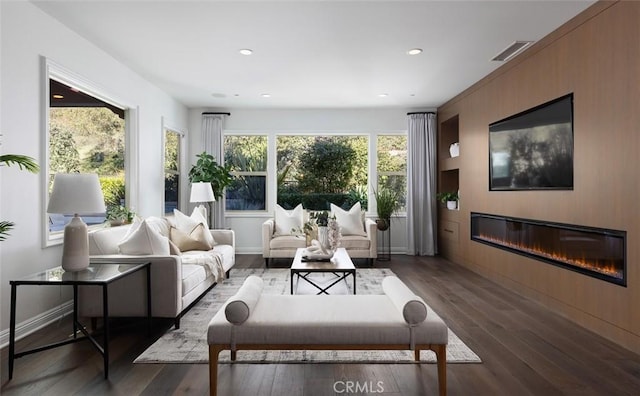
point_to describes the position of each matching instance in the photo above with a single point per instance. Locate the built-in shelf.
(448, 181)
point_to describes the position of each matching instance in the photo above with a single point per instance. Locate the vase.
(452, 205)
(454, 149)
(323, 237)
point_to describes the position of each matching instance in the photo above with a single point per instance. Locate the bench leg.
(213, 369)
(441, 357)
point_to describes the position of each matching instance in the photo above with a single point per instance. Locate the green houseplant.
(388, 202)
(206, 169)
(119, 215)
(449, 198)
(24, 163)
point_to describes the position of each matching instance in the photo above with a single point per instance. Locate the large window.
(392, 165)
(248, 157)
(319, 170)
(171, 170)
(86, 135)
(84, 132)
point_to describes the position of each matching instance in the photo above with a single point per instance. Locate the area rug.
(189, 343)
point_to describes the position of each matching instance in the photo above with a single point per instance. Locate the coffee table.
(340, 265)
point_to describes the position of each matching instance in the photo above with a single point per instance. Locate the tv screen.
(533, 150)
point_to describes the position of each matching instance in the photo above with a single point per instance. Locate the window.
(319, 170)
(248, 157)
(84, 132)
(392, 165)
(171, 170)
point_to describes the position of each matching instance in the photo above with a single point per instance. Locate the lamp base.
(75, 251)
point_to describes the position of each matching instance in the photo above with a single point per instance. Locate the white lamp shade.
(76, 193)
(201, 192)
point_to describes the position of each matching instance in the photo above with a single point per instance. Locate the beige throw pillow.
(186, 224)
(195, 240)
(350, 222)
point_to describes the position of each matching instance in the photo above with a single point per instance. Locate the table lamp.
(202, 192)
(77, 194)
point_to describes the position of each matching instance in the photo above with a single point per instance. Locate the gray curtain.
(212, 125)
(421, 185)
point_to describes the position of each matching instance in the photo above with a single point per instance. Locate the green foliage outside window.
(248, 157)
(319, 170)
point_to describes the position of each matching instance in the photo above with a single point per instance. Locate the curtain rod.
(209, 113)
(421, 112)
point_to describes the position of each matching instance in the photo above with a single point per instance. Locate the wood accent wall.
(596, 56)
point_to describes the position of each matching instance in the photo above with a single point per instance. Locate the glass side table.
(97, 275)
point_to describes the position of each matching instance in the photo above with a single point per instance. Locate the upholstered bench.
(398, 319)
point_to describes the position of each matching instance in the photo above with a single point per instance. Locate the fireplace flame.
(605, 267)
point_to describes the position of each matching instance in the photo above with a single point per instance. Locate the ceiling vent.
(512, 50)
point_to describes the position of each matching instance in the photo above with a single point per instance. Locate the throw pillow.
(159, 224)
(350, 222)
(143, 239)
(186, 224)
(195, 240)
(286, 220)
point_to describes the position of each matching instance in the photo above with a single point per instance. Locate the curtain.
(212, 141)
(421, 185)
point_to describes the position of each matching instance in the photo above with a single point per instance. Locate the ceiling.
(311, 54)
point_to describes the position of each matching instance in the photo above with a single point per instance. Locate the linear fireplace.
(597, 252)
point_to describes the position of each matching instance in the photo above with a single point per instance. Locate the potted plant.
(207, 169)
(24, 163)
(450, 198)
(388, 202)
(118, 215)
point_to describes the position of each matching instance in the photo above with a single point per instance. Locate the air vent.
(512, 50)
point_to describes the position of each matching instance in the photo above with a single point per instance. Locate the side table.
(97, 275)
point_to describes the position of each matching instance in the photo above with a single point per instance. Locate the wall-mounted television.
(533, 150)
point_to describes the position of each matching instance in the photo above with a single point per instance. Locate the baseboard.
(35, 323)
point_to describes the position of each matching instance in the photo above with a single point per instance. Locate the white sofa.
(397, 319)
(177, 281)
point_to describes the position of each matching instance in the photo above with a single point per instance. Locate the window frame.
(168, 127)
(271, 179)
(53, 70)
(393, 173)
(264, 173)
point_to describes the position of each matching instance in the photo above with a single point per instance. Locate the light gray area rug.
(189, 343)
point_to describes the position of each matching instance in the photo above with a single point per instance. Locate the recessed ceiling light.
(383, 95)
(414, 51)
(246, 51)
(266, 95)
(57, 96)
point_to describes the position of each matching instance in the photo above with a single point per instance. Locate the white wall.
(372, 121)
(27, 34)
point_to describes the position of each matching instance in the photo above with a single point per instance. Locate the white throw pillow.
(350, 222)
(187, 224)
(159, 224)
(144, 239)
(286, 220)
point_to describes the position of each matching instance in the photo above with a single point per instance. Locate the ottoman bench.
(395, 320)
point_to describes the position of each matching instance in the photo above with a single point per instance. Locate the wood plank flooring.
(526, 350)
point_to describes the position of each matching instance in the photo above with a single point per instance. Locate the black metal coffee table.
(340, 265)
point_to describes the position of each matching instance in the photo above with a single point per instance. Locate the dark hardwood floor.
(526, 350)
